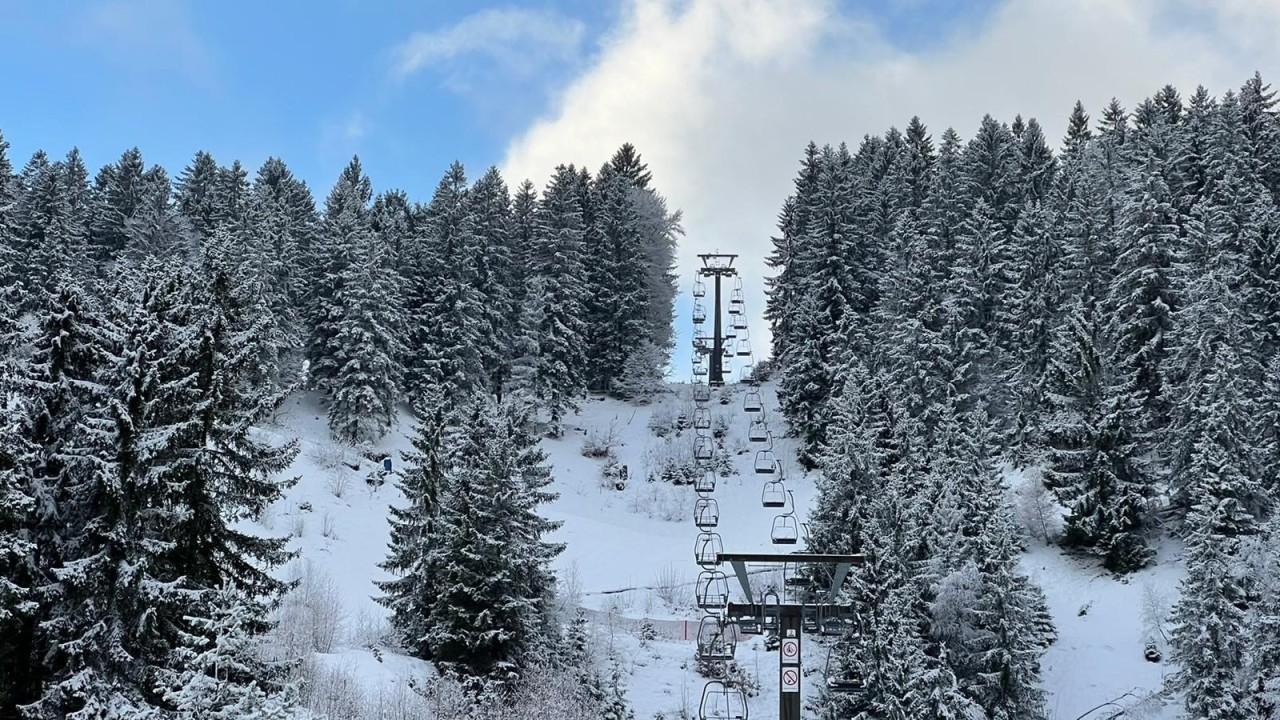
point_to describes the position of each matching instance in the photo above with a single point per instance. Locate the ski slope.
(629, 557)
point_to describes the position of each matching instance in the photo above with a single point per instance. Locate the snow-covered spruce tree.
(641, 378)
(783, 288)
(51, 232)
(659, 229)
(281, 216)
(1208, 639)
(17, 606)
(113, 611)
(196, 195)
(411, 594)
(444, 311)
(1092, 467)
(1261, 682)
(118, 193)
(489, 222)
(11, 288)
(559, 375)
(70, 347)
(616, 299)
(366, 346)
(344, 228)
(158, 230)
(489, 553)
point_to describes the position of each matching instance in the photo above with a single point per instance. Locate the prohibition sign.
(791, 680)
(791, 651)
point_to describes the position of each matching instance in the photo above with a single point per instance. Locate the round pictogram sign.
(791, 680)
(790, 650)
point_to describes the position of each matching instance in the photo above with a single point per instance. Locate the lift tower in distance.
(717, 265)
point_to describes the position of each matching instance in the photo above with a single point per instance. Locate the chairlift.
(699, 369)
(744, 348)
(774, 494)
(707, 548)
(722, 700)
(786, 531)
(809, 619)
(770, 610)
(726, 350)
(712, 590)
(706, 482)
(706, 513)
(738, 322)
(701, 392)
(736, 294)
(758, 432)
(752, 402)
(699, 289)
(736, 307)
(746, 371)
(729, 334)
(699, 314)
(839, 674)
(839, 620)
(717, 639)
(702, 418)
(766, 463)
(703, 448)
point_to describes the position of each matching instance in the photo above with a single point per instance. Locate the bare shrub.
(1036, 512)
(370, 630)
(310, 617)
(671, 586)
(327, 526)
(298, 526)
(338, 482)
(332, 692)
(663, 419)
(661, 502)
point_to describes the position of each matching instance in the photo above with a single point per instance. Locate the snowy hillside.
(629, 557)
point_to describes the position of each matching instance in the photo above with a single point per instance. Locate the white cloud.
(146, 35)
(518, 39)
(720, 96)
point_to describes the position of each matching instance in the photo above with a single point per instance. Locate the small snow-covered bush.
(1037, 514)
(600, 443)
(661, 502)
(663, 420)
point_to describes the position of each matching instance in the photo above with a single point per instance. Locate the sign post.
(789, 663)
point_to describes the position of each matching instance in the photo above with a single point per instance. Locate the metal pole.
(717, 347)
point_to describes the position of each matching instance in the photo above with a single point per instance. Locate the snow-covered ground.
(629, 552)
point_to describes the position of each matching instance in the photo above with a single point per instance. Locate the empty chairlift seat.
(752, 402)
(701, 392)
(707, 548)
(766, 463)
(722, 700)
(702, 418)
(744, 348)
(703, 448)
(706, 513)
(706, 482)
(739, 323)
(774, 494)
(712, 590)
(841, 675)
(699, 289)
(699, 313)
(699, 370)
(786, 531)
(758, 432)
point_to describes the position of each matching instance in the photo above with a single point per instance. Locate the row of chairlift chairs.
(718, 634)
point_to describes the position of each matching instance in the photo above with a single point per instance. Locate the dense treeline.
(148, 326)
(1109, 313)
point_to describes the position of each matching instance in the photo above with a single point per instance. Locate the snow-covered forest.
(1099, 322)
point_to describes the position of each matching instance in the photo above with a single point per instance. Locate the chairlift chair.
(699, 289)
(786, 531)
(738, 322)
(766, 463)
(736, 294)
(699, 369)
(703, 448)
(702, 418)
(705, 482)
(758, 432)
(752, 402)
(707, 548)
(736, 307)
(744, 348)
(699, 314)
(701, 392)
(722, 700)
(809, 619)
(840, 676)
(770, 610)
(717, 639)
(706, 513)
(729, 334)
(712, 590)
(726, 350)
(774, 494)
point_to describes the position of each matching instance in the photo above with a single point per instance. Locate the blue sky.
(315, 82)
